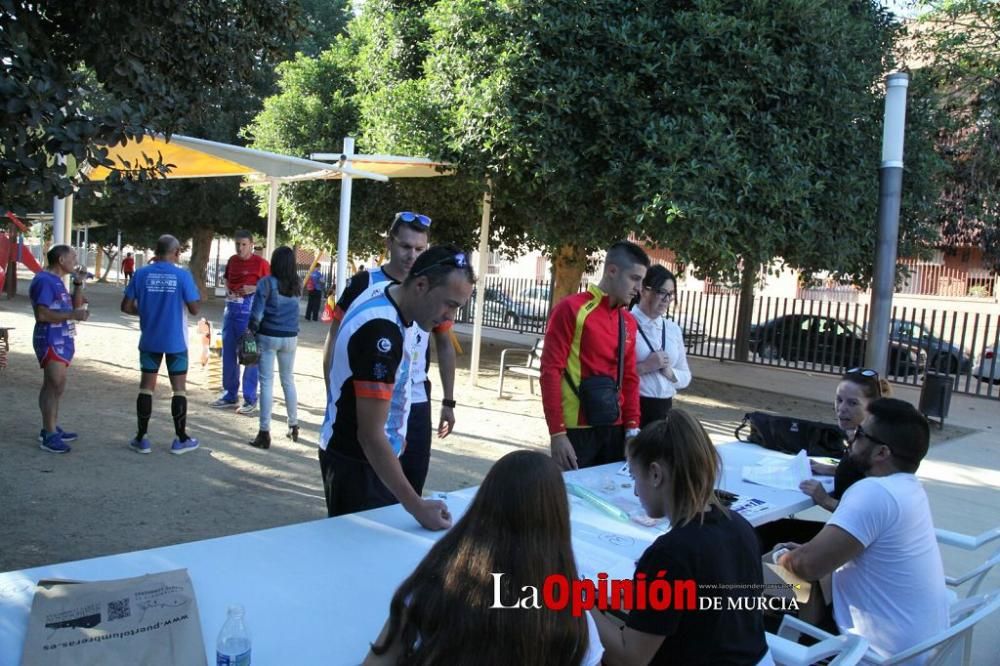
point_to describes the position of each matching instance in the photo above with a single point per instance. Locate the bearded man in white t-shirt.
(888, 581)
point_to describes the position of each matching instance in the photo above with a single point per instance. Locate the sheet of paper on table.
(779, 472)
(592, 560)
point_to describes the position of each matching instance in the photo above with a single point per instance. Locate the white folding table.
(318, 592)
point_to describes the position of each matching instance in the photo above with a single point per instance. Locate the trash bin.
(935, 396)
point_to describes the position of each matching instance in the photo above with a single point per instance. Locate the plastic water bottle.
(233, 645)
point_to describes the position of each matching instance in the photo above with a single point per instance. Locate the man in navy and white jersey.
(407, 239)
(364, 429)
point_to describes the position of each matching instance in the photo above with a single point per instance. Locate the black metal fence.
(830, 337)
(818, 336)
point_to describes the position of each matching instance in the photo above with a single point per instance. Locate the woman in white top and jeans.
(659, 348)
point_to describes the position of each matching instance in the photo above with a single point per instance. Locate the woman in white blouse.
(659, 348)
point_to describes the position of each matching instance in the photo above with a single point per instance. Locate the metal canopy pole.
(272, 218)
(890, 192)
(344, 224)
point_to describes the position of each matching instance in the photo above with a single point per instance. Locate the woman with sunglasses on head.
(659, 349)
(517, 525)
(676, 467)
(857, 388)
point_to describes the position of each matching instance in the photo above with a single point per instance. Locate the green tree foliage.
(201, 208)
(733, 132)
(957, 44)
(155, 60)
(368, 84)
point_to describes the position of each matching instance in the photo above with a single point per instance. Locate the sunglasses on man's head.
(458, 260)
(407, 216)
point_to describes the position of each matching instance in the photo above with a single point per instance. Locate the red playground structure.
(12, 251)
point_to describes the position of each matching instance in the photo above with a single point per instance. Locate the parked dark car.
(942, 356)
(828, 341)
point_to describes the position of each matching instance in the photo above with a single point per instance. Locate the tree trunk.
(745, 311)
(112, 254)
(570, 262)
(201, 248)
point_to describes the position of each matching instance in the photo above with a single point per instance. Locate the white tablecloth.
(319, 592)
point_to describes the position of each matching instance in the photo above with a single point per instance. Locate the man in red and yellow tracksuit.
(581, 341)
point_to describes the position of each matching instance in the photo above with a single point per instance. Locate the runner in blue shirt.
(162, 293)
(56, 314)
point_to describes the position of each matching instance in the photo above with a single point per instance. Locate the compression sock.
(143, 409)
(179, 410)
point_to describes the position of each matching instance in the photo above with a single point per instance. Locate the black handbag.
(791, 435)
(598, 394)
(247, 350)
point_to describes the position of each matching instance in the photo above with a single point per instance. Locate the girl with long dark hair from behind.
(274, 318)
(517, 525)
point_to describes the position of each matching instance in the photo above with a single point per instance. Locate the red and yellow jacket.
(582, 338)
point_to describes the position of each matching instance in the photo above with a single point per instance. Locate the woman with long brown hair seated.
(517, 525)
(676, 467)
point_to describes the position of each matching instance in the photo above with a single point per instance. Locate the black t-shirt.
(719, 551)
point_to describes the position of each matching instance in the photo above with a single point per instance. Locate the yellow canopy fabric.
(198, 158)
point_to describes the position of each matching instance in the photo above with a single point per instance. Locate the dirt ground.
(102, 498)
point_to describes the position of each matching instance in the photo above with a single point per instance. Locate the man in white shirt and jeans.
(888, 580)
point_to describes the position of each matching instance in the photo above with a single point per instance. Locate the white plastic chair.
(975, 576)
(965, 542)
(946, 647)
(846, 650)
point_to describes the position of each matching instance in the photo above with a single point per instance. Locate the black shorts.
(597, 445)
(351, 485)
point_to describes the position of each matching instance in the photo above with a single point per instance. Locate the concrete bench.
(530, 367)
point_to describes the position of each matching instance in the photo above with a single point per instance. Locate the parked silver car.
(530, 307)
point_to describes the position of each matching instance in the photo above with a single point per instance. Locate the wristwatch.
(445, 402)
